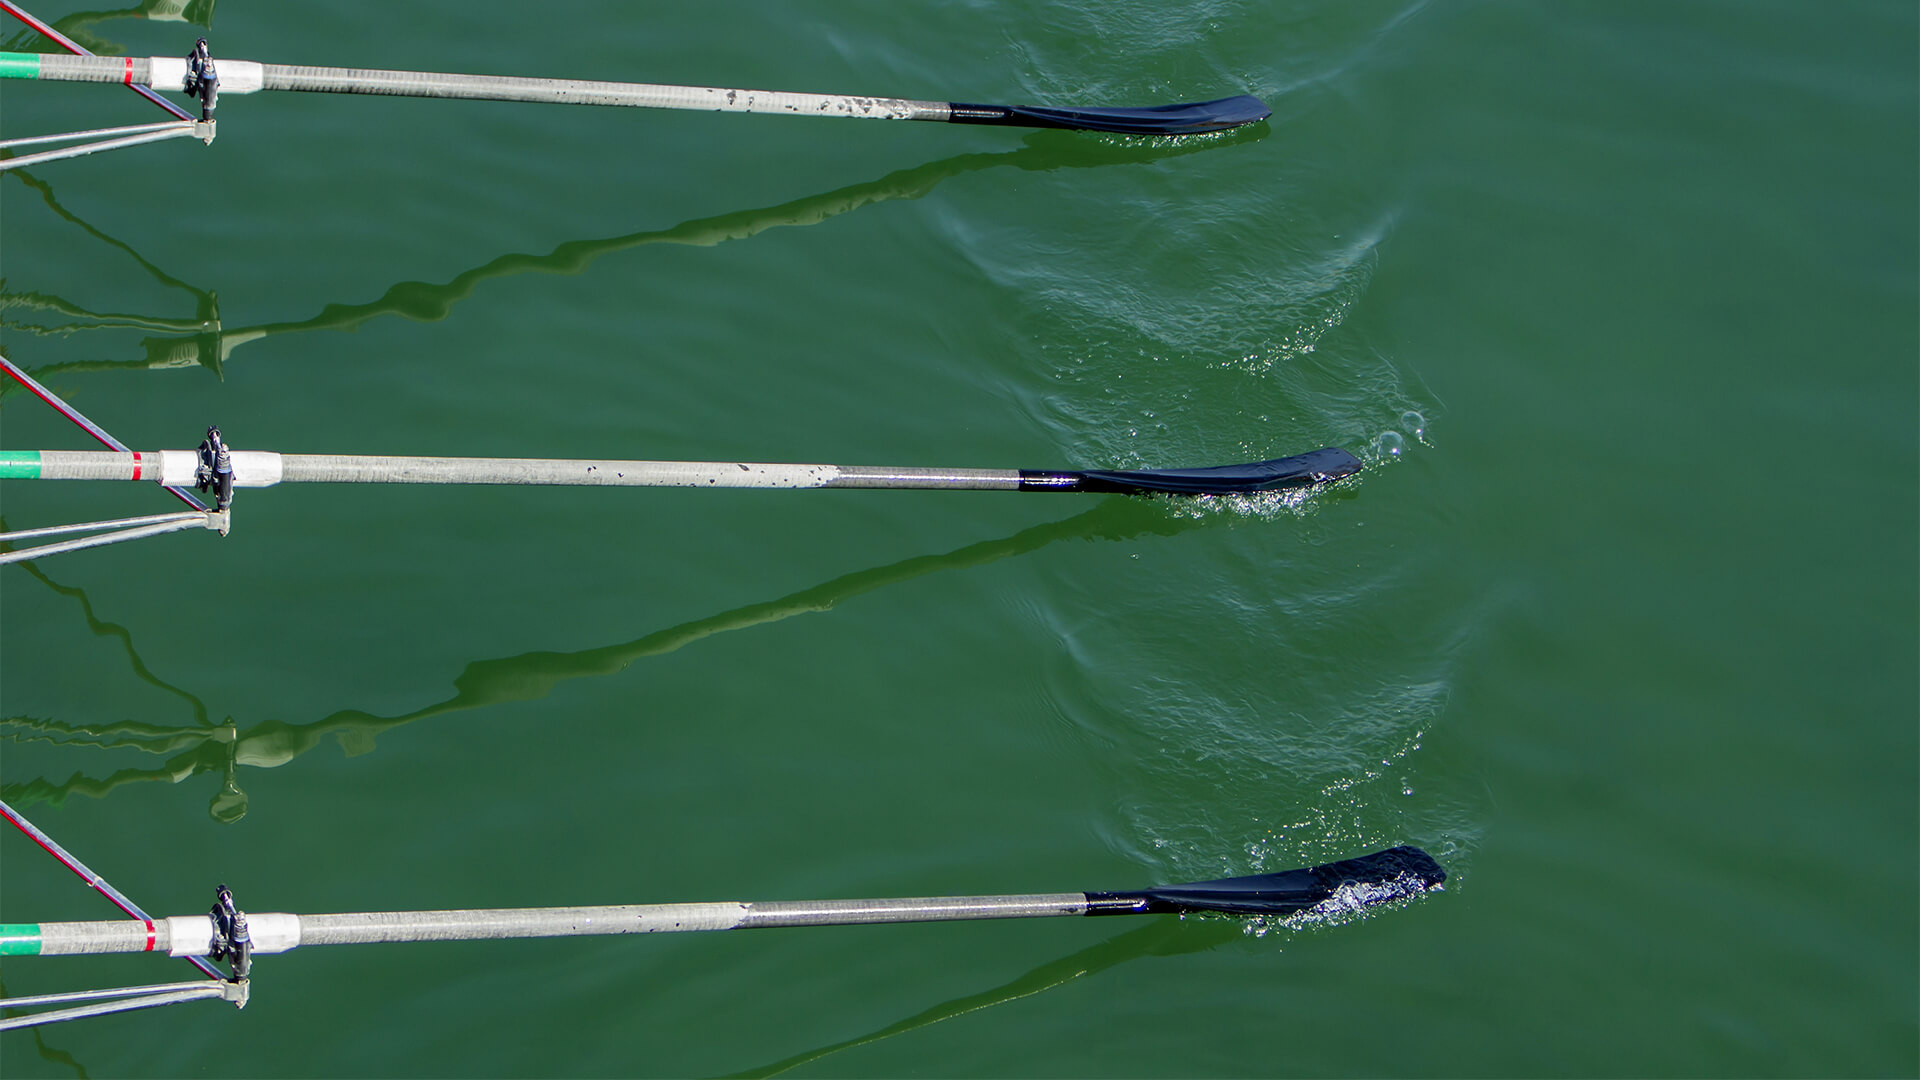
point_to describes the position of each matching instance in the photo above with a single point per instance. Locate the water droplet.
(1390, 444)
(1414, 423)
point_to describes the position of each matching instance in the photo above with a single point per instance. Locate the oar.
(257, 468)
(1394, 874)
(245, 77)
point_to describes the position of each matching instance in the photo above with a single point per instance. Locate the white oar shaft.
(584, 92)
(273, 932)
(344, 469)
(246, 76)
(254, 468)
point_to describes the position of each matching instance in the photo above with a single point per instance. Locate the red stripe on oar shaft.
(136, 464)
(127, 79)
(78, 49)
(150, 936)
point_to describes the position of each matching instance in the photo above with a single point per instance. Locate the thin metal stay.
(105, 139)
(112, 532)
(121, 999)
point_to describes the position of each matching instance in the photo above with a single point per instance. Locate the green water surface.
(1619, 303)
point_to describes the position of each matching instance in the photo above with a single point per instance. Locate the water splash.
(1350, 903)
(1258, 506)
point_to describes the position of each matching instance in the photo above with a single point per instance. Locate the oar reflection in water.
(530, 676)
(102, 628)
(211, 345)
(1163, 938)
(79, 25)
(204, 320)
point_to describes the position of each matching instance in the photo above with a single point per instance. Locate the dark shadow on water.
(1162, 937)
(202, 339)
(222, 749)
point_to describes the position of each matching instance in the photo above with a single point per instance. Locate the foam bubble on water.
(1165, 145)
(1351, 902)
(1354, 896)
(1300, 502)
(1336, 822)
(1388, 445)
(1414, 424)
(1357, 899)
(1264, 505)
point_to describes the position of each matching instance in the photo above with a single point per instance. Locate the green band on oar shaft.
(19, 939)
(15, 65)
(19, 464)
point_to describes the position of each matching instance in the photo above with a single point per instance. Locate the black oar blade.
(1384, 875)
(1191, 119)
(1301, 470)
